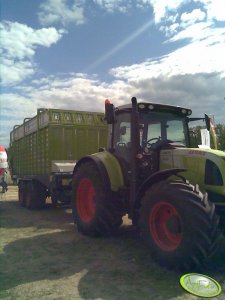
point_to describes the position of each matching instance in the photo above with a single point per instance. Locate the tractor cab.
(140, 130)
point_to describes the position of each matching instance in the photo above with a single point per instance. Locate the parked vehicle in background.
(44, 149)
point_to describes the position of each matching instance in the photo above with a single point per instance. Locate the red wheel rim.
(85, 198)
(165, 226)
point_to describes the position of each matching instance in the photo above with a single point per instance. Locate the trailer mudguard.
(109, 168)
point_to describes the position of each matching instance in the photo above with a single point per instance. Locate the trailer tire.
(35, 195)
(95, 211)
(179, 225)
(22, 195)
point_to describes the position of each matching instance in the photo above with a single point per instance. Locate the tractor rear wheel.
(179, 224)
(95, 211)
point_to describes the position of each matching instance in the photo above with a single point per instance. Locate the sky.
(74, 54)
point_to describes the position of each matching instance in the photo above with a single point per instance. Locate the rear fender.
(108, 167)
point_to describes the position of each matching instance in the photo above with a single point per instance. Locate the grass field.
(42, 256)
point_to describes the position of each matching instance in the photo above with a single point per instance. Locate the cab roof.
(150, 106)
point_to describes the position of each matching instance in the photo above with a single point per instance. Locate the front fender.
(108, 167)
(156, 177)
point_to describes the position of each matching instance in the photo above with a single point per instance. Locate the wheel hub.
(165, 226)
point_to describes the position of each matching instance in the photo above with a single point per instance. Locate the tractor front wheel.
(96, 211)
(179, 224)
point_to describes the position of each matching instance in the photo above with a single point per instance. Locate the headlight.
(141, 106)
(151, 107)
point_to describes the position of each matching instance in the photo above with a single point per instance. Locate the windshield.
(163, 126)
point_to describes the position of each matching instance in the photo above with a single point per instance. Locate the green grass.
(42, 256)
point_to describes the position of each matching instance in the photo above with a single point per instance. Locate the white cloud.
(163, 8)
(20, 41)
(62, 11)
(75, 92)
(114, 5)
(192, 17)
(17, 49)
(201, 56)
(14, 108)
(203, 52)
(169, 13)
(215, 9)
(58, 11)
(19, 105)
(199, 32)
(202, 92)
(13, 72)
(192, 75)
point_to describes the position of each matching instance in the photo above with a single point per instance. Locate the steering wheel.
(149, 145)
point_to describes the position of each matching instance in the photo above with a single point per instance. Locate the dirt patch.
(42, 256)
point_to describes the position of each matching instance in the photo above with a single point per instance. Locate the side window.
(154, 131)
(124, 134)
(122, 129)
(175, 131)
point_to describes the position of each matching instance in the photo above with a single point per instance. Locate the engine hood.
(205, 167)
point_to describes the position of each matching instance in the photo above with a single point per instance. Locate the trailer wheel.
(95, 211)
(22, 195)
(179, 224)
(35, 195)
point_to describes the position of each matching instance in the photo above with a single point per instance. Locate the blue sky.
(73, 54)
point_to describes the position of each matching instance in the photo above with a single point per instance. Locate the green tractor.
(174, 194)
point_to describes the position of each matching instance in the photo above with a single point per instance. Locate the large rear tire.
(95, 211)
(179, 224)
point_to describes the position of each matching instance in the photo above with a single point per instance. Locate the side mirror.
(109, 112)
(207, 122)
